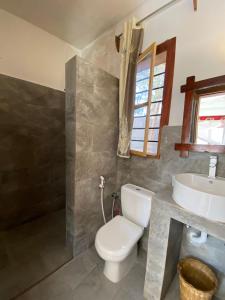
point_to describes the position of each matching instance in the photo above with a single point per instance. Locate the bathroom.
(61, 79)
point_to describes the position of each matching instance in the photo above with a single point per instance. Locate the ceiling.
(77, 22)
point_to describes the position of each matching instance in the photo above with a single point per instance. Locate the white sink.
(201, 195)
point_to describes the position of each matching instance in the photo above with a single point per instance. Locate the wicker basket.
(197, 281)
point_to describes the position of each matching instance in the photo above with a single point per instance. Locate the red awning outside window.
(211, 118)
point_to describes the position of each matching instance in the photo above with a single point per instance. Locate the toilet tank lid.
(138, 190)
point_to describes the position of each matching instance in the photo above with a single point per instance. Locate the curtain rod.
(162, 8)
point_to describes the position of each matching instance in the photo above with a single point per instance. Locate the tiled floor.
(30, 252)
(82, 279)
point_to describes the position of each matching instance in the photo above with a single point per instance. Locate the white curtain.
(131, 46)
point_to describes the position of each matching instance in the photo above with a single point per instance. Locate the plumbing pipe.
(197, 237)
(101, 186)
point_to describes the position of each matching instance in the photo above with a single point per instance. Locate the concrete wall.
(30, 53)
(155, 174)
(102, 53)
(200, 43)
(32, 151)
(200, 51)
(91, 143)
(211, 252)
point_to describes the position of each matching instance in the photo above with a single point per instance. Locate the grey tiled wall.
(157, 173)
(91, 134)
(32, 151)
(92, 121)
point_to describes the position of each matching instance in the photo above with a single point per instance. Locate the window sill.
(185, 148)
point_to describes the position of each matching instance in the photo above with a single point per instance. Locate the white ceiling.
(77, 22)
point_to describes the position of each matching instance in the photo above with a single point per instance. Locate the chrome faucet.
(212, 166)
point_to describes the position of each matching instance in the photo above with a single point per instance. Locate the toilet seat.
(115, 240)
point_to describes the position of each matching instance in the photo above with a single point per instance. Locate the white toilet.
(116, 241)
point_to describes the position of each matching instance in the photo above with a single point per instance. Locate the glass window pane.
(138, 134)
(157, 95)
(141, 98)
(139, 122)
(137, 146)
(155, 108)
(153, 134)
(152, 148)
(211, 120)
(158, 81)
(142, 85)
(154, 122)
(140, 112)
(141, 74)
(160, 69)
(142, 79)
(211, 132)
(212, 105)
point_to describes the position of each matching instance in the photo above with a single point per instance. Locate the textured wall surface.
(166, 224)
(102, 52)
(192, 57)
(32, 151)
(155, 174)
(37, 57)
(212, 252)
(91, 137)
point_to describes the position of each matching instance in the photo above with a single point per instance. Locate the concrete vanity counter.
(165, 236)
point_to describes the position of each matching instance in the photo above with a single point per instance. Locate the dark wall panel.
(32, 151)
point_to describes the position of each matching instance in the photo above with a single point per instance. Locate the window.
(154, 79)
(210, 127)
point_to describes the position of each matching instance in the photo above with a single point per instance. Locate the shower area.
(54, 147)
(32, 185)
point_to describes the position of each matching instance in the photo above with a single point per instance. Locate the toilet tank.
(136, 204)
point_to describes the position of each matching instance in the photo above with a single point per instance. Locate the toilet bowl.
(116, 241)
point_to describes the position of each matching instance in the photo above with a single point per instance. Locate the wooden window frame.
(192, 87)
(149, 51)
(169, 47)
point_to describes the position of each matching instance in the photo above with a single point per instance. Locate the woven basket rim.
(189, 284)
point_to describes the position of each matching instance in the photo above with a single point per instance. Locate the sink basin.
(201, 195)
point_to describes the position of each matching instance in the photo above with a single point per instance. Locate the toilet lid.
(117, 237)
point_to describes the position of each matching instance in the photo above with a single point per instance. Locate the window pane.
(152, 148)
(137, 146)
(157, 95)
(211, 120)
(138, 134)
(212, 105)
(211, 132)
(155, 108)
(141, 98)
(140, 112)
(160, 69)
(139, 122)
(154, 122)
(153, 134)
(158, 81)
(141, 74)
(142, 80)
(142, 85)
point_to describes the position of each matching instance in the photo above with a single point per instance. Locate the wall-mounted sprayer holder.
(115, 205)
(101, 186)
(102, 182)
